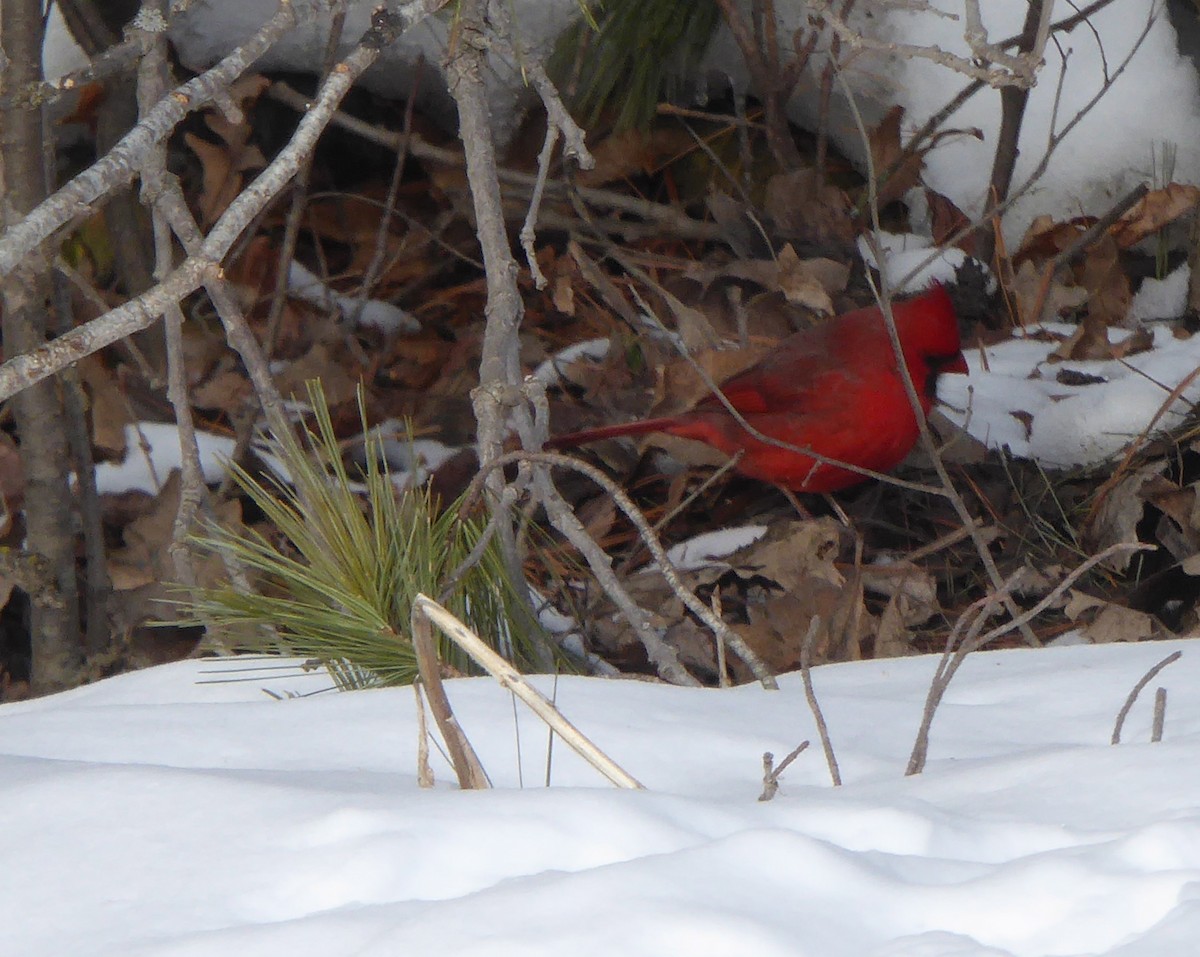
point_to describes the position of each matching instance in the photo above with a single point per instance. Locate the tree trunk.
(56, 645)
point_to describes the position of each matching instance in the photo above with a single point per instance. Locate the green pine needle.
(340, 588)
(640, 50)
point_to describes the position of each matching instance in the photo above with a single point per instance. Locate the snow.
(1109, 152)
(911, 262)
(1013, 398)
(152, 814)
(385, 316)
(153, 451)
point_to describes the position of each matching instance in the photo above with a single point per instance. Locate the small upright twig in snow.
(771, 773)
(1160, 715)
(424, 771)
(1137, 690)
(811, 696)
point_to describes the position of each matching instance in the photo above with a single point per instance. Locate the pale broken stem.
(1137, 690)
(464, 760)
(426, 613)
(722, 665)
(952, 658)
(814, 706)
(425, 777)
(771, 773)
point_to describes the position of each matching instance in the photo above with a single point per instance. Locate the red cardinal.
(835, 389)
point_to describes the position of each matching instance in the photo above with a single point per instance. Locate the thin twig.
(810, 696)
(659, 652)
(883, 297)
(1137, 690)
(424, 771)
(771, 773)
(1160, 715)
(470, 773)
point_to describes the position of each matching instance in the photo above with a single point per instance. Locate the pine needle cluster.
(351, 553)
(625, 56)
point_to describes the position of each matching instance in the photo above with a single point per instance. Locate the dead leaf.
(912, 589)
(887, 149)
(1117, 519)
(807, 209)
(805, 282)
(947, 220)
(633, 152)
(800, 285)
(1059, 298)
(1111, 622)
(1046, 238)
(226, 391)
(108, 407)
(738, 228)
(222, 168)
(892, 638)
(224, 163)
(338, 374)
(680, 386)
(1152, 212)
(1106, 283)
(562, 293)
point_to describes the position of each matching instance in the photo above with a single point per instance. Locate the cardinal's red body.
(835, 389)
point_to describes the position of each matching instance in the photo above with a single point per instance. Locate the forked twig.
(601, 565)
(771, 773)
(971, 621)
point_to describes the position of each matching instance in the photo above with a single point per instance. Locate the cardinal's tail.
(611, 432)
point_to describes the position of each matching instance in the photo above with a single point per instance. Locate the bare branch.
(203, 264)
(121, 164)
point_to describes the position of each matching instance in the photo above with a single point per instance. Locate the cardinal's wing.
(801, 376)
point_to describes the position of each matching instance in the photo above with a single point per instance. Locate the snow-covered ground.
(153, 814)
